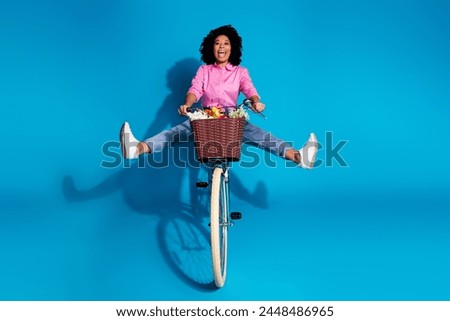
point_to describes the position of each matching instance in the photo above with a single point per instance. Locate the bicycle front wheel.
(219, 225)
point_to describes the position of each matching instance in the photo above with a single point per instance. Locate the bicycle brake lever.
(248, 103)
(260, 114)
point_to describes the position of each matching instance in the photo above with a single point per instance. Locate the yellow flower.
(215, 112)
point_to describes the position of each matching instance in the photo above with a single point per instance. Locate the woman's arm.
(190, 99)
(188, 102)
(194, 93)
(249, 90)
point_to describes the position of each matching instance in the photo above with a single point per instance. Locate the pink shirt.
(220, 86)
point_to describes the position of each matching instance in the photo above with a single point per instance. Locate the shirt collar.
(228, 66)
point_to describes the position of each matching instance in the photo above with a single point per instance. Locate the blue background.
(373, 73)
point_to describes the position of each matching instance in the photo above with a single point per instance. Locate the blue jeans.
(253, 135)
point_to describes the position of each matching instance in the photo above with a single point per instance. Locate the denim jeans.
(253, 135)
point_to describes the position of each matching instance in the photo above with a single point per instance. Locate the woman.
(218, 83)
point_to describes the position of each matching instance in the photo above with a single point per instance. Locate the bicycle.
(217, 145)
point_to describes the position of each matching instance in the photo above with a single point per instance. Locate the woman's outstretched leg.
(305, 157)
(132, 147)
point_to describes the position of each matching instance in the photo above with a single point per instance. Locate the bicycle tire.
(219, 225)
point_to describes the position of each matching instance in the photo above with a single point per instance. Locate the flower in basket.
(238, 113)
(208, 112)
(215, 112)
(198, 114)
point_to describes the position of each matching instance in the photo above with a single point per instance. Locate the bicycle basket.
(218, 138)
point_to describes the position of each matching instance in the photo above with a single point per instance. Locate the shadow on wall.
(153, 185)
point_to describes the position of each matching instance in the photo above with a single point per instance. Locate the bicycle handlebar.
(246, 104)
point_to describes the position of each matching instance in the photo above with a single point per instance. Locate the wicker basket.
(219, 138)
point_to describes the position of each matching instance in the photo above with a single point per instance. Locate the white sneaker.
(308, 152)
(128, 142)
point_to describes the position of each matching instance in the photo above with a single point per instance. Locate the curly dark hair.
(207, 46)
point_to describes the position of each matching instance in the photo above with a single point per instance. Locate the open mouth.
(221, 53)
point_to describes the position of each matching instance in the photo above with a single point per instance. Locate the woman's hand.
(182, 110)
(258, 106)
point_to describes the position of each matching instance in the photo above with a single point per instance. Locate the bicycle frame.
(220, 216)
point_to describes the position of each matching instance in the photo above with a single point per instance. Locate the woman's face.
(222, 50)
